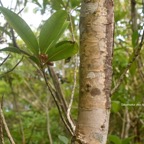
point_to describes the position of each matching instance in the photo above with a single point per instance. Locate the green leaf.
(14, 50)
(119, 15)
(63, 139)
(126, 141)
(11, 49)
(34, 59)
(62, 50)
(75, 3)
(21, 27)
(51, 30)
(56, 4)
(115, 106)
(65, 25)
(115, 139)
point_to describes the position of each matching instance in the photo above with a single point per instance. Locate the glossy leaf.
(115, 139)
(51, 29)
(11, 49)
(18, 51)
(34, 59)
(65, 25)
(62, 50)
(21, 27)
(14, 50)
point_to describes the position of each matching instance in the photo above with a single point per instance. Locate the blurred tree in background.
(29, 109)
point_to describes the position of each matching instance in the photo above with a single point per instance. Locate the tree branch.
(136, 54)
(58, 103)
(72, 96)
(6, 127)
(140, 67)
(1, 125)
(5, 60)
(48, 123)
(1, 3)
(58, 88)
(12, 68)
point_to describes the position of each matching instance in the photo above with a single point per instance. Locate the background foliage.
(29, 109)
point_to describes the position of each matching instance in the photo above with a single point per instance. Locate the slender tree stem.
(6, 127)
(12, 68)
(5, 60)
(136, 54)
(1, 125)
(72, 95)
(48, 123)
(54, 95)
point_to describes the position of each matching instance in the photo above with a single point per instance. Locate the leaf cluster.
(46, 48)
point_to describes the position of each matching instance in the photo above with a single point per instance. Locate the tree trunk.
(96, 46)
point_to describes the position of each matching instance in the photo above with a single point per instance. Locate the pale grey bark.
(96, 46)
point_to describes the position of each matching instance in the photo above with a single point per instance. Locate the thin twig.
(58, 89)
(1, 3)
(72, 95)
(128, 121)
(71, 28)
(14, 39)
(12, 68)
(61, 99)
(16, 45)
(31, 134)
(16, 108)
(5, 60)
(1, 125)
(136, 54)
(55, 95)
(67, 4)
(34, 94)
(140, 66)
(6, 127)
(48, 122)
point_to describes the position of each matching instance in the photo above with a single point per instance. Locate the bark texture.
(96, 46)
